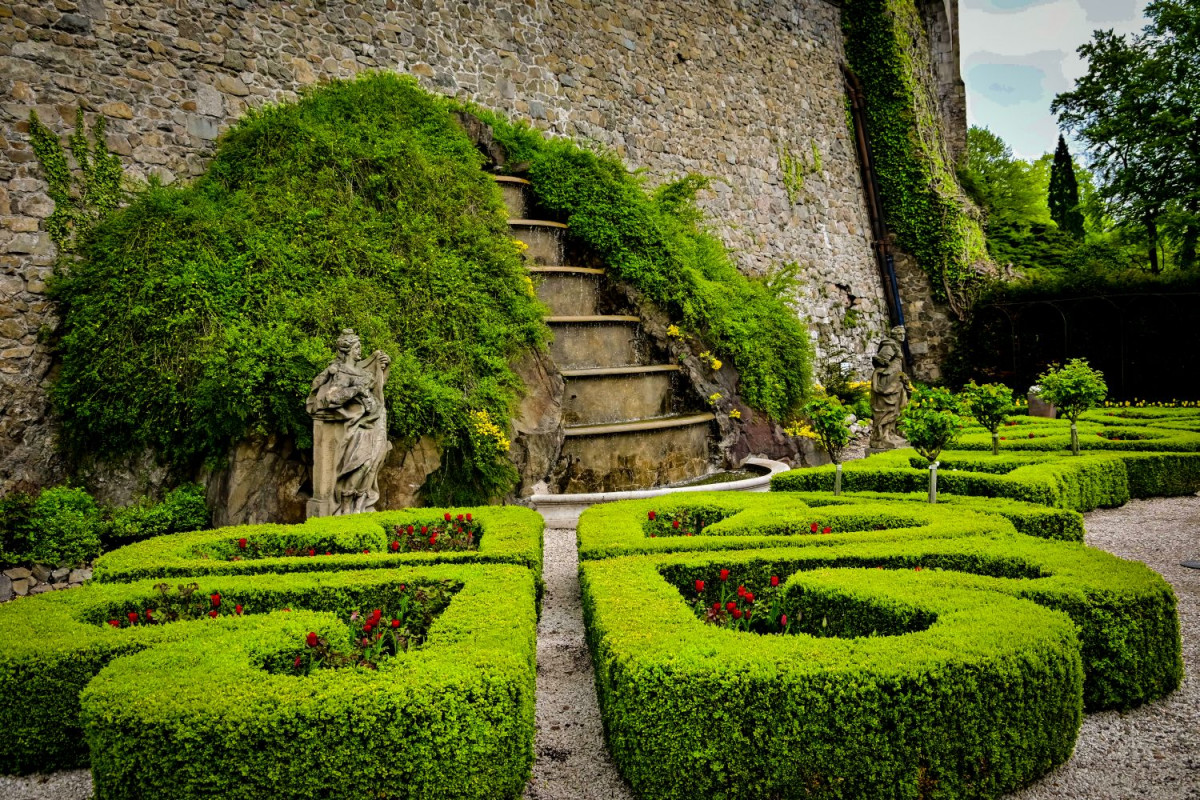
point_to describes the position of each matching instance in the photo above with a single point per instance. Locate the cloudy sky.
(1018, 54)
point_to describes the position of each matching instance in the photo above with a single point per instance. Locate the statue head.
(898, 333)
(348, 344)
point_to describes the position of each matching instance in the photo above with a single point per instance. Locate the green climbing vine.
(794, 167)
(887, 47)
(84, 196)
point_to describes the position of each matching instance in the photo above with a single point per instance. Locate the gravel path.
(1150, 753)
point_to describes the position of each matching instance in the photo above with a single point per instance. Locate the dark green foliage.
(932, 420)
(200, 313)
(1063, 198)
(922, 201)
(65, 526)
(59, 526)
(657, 242)
(182, 509)
(194, 709)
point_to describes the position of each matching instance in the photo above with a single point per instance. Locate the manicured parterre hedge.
(208, 708)
(945, 654)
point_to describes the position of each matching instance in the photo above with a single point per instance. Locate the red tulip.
(376, 614)
(311, 639)
(916, 569)
(827, 529)
(328, 553)
(774, 580)
(724, 574)
(424, 530)
(216, 600)
(312, 552)
(366, 549)
(296, 663)
(741, 590)
(236, 609)
(737, 613)
(749, 597)
(433, 539)
(814, 527)
(675, 524)
(448, 517)
(213, 613)
(730, 606)
(133, 617)
(652, 515)
(116, 623)
(410, 529)
(395, 546)
(783, 620)
(149, 613)
(403, 587)
(368, 628)
(460, 517)
(654, 536)
(242, 543)
(716, 607)
(699, 586)
(395, 623)
(468, 517)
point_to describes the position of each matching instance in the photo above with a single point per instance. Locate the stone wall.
(688, 85)
(941, 25)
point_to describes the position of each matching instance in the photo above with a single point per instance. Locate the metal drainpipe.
(884, 258)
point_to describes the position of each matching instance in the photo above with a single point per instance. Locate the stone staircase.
(630, 421)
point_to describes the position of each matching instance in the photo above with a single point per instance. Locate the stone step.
(596, 340)
(544, 238)
(516, 194)
(569, 292)
(621, 394)
(628, 456)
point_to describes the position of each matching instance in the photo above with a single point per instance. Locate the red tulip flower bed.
(186, 603)
(683, 522)
(453, 534)
(377, 636)
(740, 609)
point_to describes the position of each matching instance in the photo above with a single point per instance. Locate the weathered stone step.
(621, 394)
(566, 270)
(544, 238)
(596, 340)
(515, 193)
(640, 426)
(637, 455)
(569, 292)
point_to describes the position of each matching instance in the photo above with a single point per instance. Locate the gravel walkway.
(1150, 753)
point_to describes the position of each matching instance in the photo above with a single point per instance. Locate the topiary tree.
(827, 419)
(1073, 389)
(931, 422)
(990, 405)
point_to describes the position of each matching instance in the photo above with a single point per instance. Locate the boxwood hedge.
(195, 709)
(510, 534)
(1092, 480)
(981, 697)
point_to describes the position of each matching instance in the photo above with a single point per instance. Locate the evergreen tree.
(1064, 192)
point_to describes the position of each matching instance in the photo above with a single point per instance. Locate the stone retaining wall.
(719, 87)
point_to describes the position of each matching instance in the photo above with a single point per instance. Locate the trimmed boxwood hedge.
(984, 700)
(1085, 482)
(972, 705)
(511, 534)
(188, 709)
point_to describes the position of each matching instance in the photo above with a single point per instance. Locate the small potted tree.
(1073, 389)
(827, 420)
(990, 405)
(931, 422)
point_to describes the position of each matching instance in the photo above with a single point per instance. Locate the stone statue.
(889, 391)
(349, 430)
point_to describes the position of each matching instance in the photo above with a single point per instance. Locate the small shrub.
(181, 510)
(932, 421)
(990, 405)
(1073, 389)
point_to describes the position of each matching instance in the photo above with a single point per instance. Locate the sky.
(1018, 54)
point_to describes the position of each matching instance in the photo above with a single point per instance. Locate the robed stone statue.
(349, 430)
(889, 391)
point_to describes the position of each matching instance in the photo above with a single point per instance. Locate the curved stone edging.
(563, 510)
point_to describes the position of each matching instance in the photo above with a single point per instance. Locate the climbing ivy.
(86, 195)
(887, 47)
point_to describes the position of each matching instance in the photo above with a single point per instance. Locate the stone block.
(17, 573)
(6, 588)
(80, 575)
(35, 243)
(60, 574)
(40, 588)
(117, 110)
(230, 85)
(42, 572)
(21, 587)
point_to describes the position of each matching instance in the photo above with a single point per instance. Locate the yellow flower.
(674, 332)
(483, 427)
(521, 246)
(714, 397)
(801, 430)
(735, 414)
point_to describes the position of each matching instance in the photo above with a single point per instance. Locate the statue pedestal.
(327, 440)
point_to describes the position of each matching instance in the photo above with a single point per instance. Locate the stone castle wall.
(718, 87)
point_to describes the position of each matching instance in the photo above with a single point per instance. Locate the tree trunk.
(1187, 250)
(995, 444)
(1152, 235)
(1074, 438)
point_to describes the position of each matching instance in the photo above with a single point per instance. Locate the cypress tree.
(1064, 192)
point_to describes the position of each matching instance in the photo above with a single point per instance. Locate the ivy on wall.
(888, 49)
